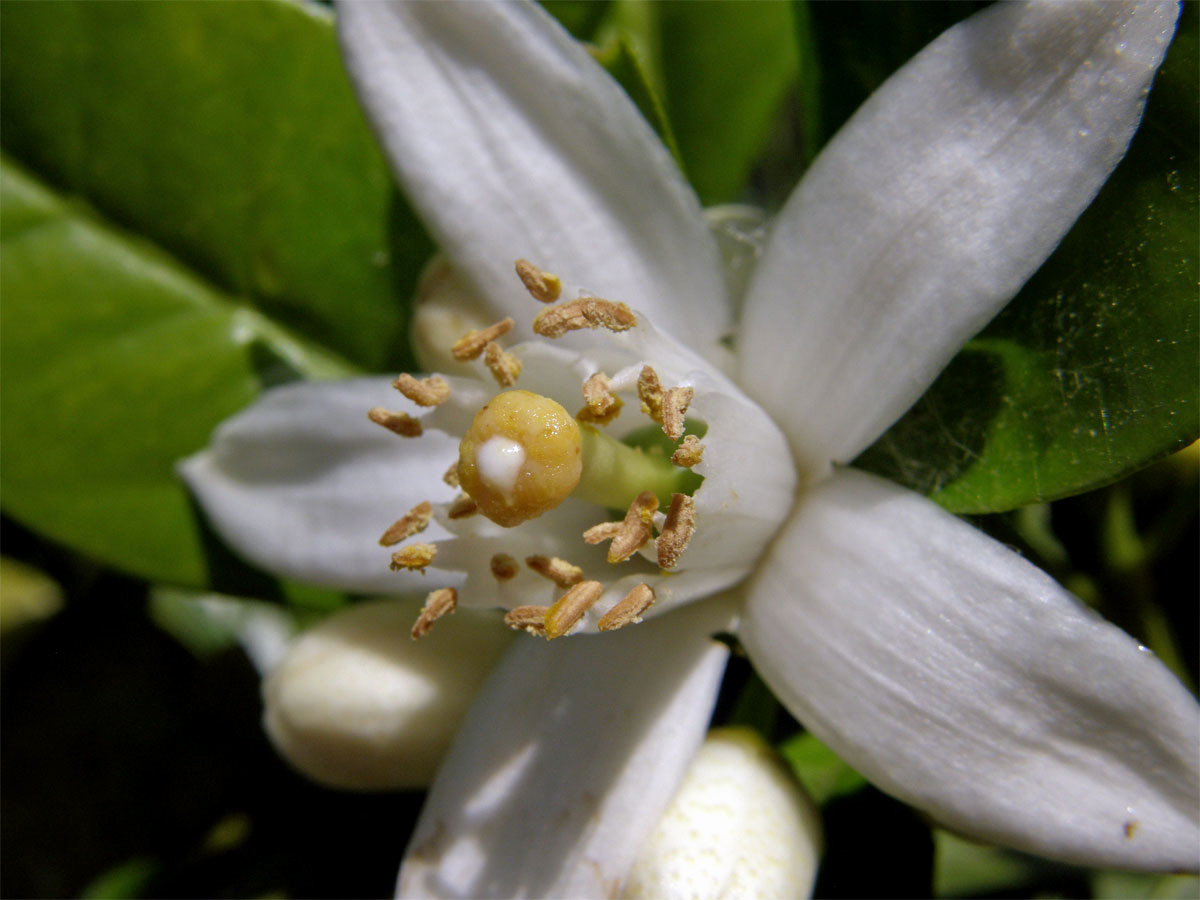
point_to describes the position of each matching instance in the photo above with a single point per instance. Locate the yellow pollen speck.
(561, 572)
(650, 392)
(432, 391)
(451, 475)
(470, 345)
(677, 530)
(635, 531)
(414, 521)
(674, 404)
(414, 556)
(521, 457)
(399, 422)
(504, 567)
(570, 607)
(586, 312)
(629, 610)
(541, 285)
(504, 366)
(462, 507)
(437, 604)
(530, 618)
(690, 452)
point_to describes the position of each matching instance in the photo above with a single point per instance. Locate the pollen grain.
(431, 391)
(413, 522)
(584, 312)
(471, 344)
(542, 286)
(400, 423)
(414, 556)
(677, 530)
(628, 611)
(570, 607)
(437, 604)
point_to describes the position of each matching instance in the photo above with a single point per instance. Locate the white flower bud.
(740, 826)
(357, 703)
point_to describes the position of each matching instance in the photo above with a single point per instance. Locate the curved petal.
(965, 681)
(512, 142)
(932, 207)
(303, 484)
(566, 761)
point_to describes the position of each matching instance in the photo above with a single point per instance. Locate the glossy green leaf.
(1090, 372)
(727, 67)
(117, 363)
(822, 772)
(228, 135)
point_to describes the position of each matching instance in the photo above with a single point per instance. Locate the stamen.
(399, 422)
(598, 534)
(629, 610)
(504, 567)
(570, 607)
(504, 366)
(531, 618)
(585, 312)
(432, 391)
(541, 285)
(689, 452)
(437, 604)
(674, 405)
(677, 530)
(561, 572)
(471, 344)
(414, 556)
(462, 507)
(415, 521)
(650, 392)
(602, 404)
(635, 531)
(451, 476)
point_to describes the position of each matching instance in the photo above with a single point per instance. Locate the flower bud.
(739, 826)
(356, 703)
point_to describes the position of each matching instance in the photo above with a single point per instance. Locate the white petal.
(356, 703)
(512, 142)
(965, 681)
(932, 207)
(740, 826)
(567, 760)
(303, 484)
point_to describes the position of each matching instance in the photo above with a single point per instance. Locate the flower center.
(524, 454)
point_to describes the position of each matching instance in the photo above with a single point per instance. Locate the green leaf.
(727, 67)
(229, 136)
(622, 57)
(822, 772)
(962, 868)
(208, 215)
(1090, 372)
(117, 363)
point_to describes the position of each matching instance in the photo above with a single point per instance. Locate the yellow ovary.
(521, 457)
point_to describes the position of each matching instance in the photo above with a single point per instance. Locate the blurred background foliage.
(193, 210)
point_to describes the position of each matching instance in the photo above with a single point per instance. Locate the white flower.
(940, 664)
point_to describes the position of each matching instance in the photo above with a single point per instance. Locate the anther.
(414, 556)
(602, 404)
(598, 534)
(650, 392)
(504, 366)
(451, 475)
(570, 607)
(399, 422)
(504, 567)
(674, 404)
(414, 521)
(529, 618)
(585, 312)
(462, 507)
(470, 345)
(541, 285)
(561, 572)
(629, 610)
(432, 391)
(437, 604)
(677, 530)
(635, 531)
(690, 452)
